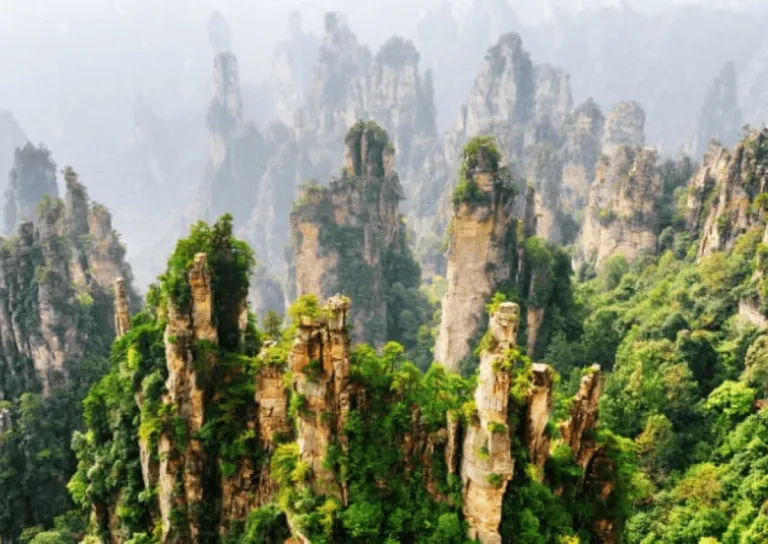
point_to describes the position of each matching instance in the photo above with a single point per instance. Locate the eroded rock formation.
(487, 465)
(582, 148)
(624, 125)
(320, 362)
(722, 202)
(622, 215)
(344, 233)
(53, 271)
(33, 176)
(481, 255)
(578, 431)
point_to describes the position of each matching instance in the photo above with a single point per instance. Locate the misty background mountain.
(123, 92)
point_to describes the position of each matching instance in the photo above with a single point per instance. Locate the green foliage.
(229, 262)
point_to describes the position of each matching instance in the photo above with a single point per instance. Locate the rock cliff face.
(182, 462)
(481, 253)
(720, 116)
(577, 432)
(624, 125)
(582, 148)
(54, 271)
(33, 176)
(344, 234)
(723, 199)
(622, 215)
(487, 464)
(319, 361)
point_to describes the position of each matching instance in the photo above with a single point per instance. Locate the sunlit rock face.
(68, 260)
(480, 257)
(721, 202)
(487, 464)
(362, 207)
(622, 215)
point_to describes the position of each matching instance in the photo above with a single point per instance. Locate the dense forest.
(531, 327)
(646, 424)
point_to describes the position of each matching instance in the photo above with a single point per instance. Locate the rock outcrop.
(723, 199)
(582, 148)
(624, 125)
(343, 233)
(319, 361)
(33, 176)
(578, 432)
(538, 411)
(622, 215)
(487, 465)
(61, 267)
(182, 464)
(481, 254)
(720, 116)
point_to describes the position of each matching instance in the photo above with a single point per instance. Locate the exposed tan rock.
(181, 465)
(55, 255)
(480, 257)
(724, 191)
(622, 215)
(487, 464)
(122, 314)
(452, 451)
(319, 361)
(578, 431)
(537, 414)
(363, 205)
(272, 398)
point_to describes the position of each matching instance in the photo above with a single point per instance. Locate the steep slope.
(622, 215)
(482, 250)
(350, 238)
(309, 437)
(725, 199)
(61, 278)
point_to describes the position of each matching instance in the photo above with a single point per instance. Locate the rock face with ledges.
(51, 271)
(582, 149)
(319, 361)
(487, 464)
(343, 233)
(622, 215)
(481, 256)
(722, 202)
